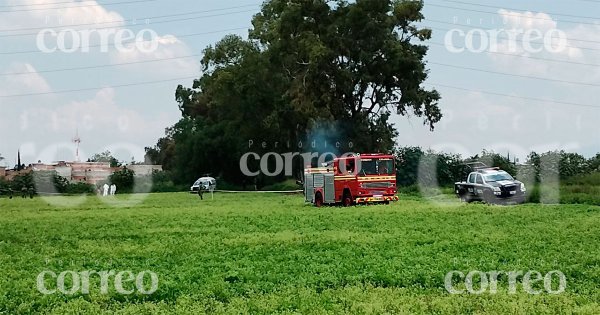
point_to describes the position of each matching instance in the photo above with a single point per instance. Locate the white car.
(207, 183)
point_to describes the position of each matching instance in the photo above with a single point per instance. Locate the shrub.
(161, 182)
(20, 181)
(533, 194)
(124, 179)
(80, 188)
(287, 185)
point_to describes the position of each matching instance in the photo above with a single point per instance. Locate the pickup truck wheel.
(465, 198)
(488, 197)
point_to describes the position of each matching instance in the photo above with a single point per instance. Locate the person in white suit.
(105, 190)
(113, 189)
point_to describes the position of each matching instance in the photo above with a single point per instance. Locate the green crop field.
(264, 254)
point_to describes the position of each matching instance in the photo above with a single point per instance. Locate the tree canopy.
(105, 157)
(333, 70)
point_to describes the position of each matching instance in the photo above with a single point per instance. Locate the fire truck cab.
(356, 179)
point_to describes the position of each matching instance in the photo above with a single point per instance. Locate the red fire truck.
(355, 179)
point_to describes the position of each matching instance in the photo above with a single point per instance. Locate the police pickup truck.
(491, 185)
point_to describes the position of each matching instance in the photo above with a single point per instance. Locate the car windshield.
(376, 167)
(498, 177)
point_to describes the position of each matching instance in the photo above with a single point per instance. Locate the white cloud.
(168, 47)
(100, 114)
(29, 13)
(544, 25)
(32, 82)
(102, 122)
(106, 118)
(527, 20)
(474, 121)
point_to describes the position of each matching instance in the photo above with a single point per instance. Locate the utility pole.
(77, 141)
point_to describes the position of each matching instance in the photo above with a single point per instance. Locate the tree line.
(417, 166)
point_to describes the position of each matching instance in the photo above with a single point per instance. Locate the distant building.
(83, 172)
(10, 174)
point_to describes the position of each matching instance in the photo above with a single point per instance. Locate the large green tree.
(335, 70)
(353, 63)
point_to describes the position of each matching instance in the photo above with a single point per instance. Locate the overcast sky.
(510, 99)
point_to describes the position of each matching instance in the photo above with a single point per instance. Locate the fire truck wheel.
(347, 200)
(318, 200)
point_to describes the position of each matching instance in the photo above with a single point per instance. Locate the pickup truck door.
(479, 186)
(471, 184)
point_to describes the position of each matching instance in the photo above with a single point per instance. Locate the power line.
(190, 35)
(130, 42)
(98, 66)
(119, 22)
(509, 13)
(513, 9)
(68, 7)
(514, 96)
(530, 57)
(36, 4)
(515, 39)
(97, 88)
(189, 78)
(242, 28)
(197, 55)
(153, 23)
(514, 75)
(466, 25)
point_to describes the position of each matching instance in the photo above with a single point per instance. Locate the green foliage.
(124, 179)
(271, 254)
(46, 182)
(560, 165)
(407, 165)
(493, 159)
(24, 180)
(587, 179)
(105, 157)
(4, 185)
(581, 189)
(161, 182)
(434, 169)
(80, 189)
(288, 185)
(534, 194)
(594, 163)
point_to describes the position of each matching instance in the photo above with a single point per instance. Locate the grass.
(264, 254)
